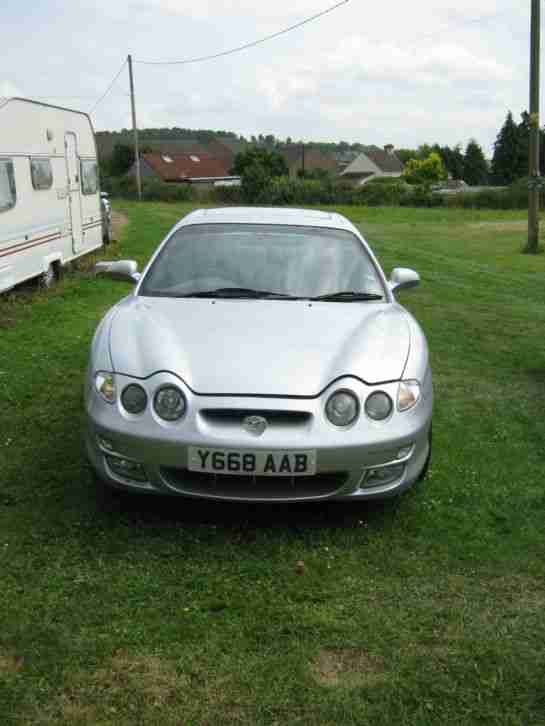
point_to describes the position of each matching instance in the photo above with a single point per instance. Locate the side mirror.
(402, 278)
(126, 270)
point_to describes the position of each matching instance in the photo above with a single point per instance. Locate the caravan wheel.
(107, 232)
(48, 278)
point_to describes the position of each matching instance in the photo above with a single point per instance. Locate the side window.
(41, 173)
(8, 194)
(89, 176)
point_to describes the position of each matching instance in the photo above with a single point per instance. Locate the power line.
(109, 87)
(52, 95)
(246, 45)
(482, 20)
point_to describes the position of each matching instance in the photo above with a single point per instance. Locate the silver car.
(261, 356)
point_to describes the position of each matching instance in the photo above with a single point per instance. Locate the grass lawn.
(426, 610)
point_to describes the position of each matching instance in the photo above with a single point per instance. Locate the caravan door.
(74, 189)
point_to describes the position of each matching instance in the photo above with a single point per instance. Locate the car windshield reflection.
(259, 260)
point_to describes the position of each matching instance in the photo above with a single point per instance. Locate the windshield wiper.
(348, 296)
(239, 292)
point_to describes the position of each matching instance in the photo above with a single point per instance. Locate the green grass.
(427, 610)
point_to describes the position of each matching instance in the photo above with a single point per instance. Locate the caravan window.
(8, 195)
(89, 177)
(42, 175)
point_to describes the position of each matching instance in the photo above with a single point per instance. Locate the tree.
(425, 171)
(122, 159)
(453, 159)
(404, 155)
(508, 157)
(271, 162)
(255, 182)
(475, 166)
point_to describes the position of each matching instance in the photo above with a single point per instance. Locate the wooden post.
(135, 131)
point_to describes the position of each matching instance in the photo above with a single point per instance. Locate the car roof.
(268, 215)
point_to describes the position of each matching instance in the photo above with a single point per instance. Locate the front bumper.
(344, 457)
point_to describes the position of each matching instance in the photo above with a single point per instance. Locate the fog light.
(404, 452)
(383, 475)
(127, 469)
(105, 443)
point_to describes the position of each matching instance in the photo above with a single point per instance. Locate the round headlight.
(134, 398)
(169, 403)
(407, 395)
(105, 385)
(342, 408)
(378, 406)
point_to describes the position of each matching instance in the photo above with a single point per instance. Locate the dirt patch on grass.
(119, 220)
(6, 321)
(126, 685)
(347, 667)
(10, 663)
(155, 678)
(498, 226)
(127, 689)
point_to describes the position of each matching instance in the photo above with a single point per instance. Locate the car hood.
(284, 348)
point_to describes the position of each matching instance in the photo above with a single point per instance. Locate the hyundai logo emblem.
(255, 425)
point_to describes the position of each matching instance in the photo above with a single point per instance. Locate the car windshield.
(259, 259)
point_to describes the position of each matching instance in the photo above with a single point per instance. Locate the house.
(106, 142)
(344, 158)
(373, 163)
(299, 157)
(201, 169)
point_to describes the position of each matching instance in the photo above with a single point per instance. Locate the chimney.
(389, 149)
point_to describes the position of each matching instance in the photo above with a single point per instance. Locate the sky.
(371, 72)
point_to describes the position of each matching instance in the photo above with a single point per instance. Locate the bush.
(226, 195)
(283, 191)
(385, 180)
(513, 197)
(153, 190)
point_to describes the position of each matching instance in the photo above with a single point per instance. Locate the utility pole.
(135, 130)
(535, 181)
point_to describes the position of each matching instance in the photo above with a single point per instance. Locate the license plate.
(252, 463)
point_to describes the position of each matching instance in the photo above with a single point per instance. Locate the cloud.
(421, 71)
(7, 88)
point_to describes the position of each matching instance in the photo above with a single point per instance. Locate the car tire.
(426, 466)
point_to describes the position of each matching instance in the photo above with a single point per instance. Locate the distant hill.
(173, 140)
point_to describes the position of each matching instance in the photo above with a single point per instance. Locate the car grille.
(235, 416)
(230, 486)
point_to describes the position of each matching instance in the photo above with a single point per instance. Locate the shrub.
(226, 195)
(154, 190)
(283, 191)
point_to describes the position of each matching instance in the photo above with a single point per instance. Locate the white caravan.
(50, 210)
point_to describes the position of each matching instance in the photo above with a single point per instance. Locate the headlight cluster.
(407, 395)
(105, 386)
(134, 398)
(169, 402)
(343, 407)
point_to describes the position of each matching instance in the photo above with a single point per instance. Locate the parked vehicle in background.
(262, 356)
(50, 207)
(106, 209)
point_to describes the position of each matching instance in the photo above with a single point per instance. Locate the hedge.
(283, 191)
